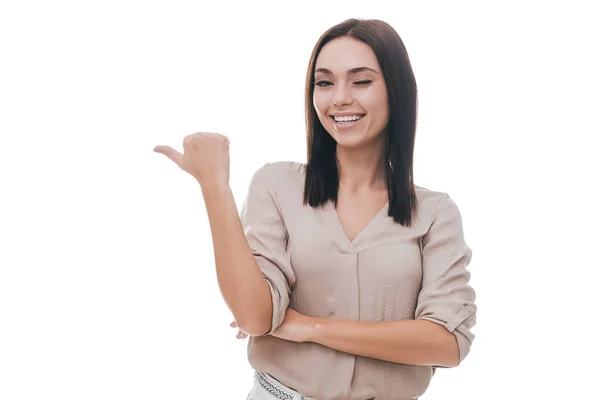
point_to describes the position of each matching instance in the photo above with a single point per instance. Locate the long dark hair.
(322, 169)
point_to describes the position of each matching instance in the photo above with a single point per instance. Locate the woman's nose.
(342, 96)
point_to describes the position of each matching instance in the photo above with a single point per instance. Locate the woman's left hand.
(240, 334)
(296, 327)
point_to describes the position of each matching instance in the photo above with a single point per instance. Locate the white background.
(107, 285)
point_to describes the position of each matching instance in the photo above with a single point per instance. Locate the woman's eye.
(323, 83)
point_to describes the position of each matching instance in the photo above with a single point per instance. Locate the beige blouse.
(387, 273)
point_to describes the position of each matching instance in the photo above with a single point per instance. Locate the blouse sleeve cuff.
(279, 305)
(459, 326)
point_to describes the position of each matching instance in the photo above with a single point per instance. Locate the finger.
(233, 324)
(170, 152)
(241, 335)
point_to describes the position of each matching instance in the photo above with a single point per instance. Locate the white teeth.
(348, 118)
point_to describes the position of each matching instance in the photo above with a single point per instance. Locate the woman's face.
(350, 95)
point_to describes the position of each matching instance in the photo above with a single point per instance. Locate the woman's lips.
(343, 125)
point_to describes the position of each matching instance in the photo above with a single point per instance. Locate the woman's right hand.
(205, 157)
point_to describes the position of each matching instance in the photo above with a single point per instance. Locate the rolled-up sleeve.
(266, 233)
(446, 297)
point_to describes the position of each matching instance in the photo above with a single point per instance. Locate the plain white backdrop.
(107, 280)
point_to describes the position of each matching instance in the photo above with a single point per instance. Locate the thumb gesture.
(170, 152)
(205, 157)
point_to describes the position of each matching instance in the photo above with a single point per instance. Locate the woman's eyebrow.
(349, 72)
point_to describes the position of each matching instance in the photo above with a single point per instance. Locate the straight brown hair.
(322, 169)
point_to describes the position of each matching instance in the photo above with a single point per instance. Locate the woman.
(350, 280)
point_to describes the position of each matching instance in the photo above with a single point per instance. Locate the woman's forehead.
(344, 54)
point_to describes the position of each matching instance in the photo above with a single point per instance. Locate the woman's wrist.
(313, 327)
(214, 189)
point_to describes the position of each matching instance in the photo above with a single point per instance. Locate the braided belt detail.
(269, 387)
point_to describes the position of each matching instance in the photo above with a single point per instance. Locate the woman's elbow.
(255, 329)
(257, 325)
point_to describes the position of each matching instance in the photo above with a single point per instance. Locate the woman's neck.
(361, 169)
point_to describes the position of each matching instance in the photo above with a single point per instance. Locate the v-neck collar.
(335, 223)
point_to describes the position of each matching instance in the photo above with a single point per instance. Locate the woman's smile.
(344, 122)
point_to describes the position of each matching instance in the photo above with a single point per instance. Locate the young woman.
(350, 280)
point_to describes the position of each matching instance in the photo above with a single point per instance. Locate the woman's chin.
(352, 141)
(350, 144)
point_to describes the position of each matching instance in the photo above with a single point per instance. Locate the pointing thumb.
(171, 153)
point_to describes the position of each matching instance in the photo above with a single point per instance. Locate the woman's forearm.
(243, 286)
(416, 342)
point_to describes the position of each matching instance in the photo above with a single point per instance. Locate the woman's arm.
(415, 342)
(243, 286)
(242, 283)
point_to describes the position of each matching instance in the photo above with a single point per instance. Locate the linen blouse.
(387, 273)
